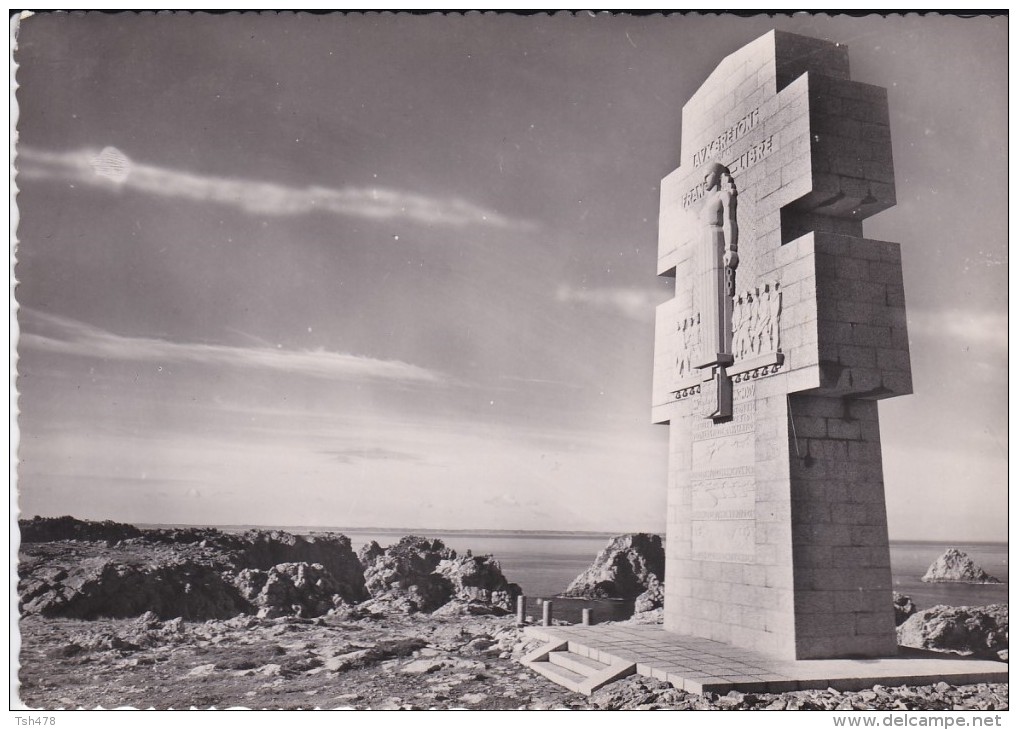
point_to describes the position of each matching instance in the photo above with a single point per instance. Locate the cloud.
(65, 336)
(350, 456)
(985, 330)
(113, 170)
(633, 303)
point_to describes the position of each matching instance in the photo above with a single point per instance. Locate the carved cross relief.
(728, 325)
(766, 159)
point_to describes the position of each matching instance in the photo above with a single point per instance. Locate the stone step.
(575, 672)
(576, 663)
(560, 675)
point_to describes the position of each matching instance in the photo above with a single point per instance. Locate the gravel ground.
(378, 662)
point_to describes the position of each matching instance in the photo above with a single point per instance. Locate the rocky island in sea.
(629, 566)
(954, 566)
(115, 616)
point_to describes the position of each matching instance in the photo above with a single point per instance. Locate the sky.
(394, 271)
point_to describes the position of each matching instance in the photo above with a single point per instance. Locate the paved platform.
(700, 665)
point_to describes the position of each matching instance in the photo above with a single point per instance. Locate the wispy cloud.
(65, 336)
(111, 169)
(986, 330)
(542, 381)
(633, 303)
(350, 456)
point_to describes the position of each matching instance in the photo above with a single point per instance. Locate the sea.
(544, 563)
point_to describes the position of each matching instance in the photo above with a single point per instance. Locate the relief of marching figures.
(755, 322)
(755, 331)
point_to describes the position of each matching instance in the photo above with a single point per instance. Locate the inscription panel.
(723, 516)
(730, 541)
(721, 453)
(724, 499)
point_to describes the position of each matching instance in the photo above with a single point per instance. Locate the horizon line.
(467, 530)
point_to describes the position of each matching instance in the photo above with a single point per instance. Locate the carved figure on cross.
(717, 259)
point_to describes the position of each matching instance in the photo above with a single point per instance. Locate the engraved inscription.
(722, 472)
(743, 393)
(727, 138)
(723, 487)
(757, 152)
(752, 156)
(743, 417)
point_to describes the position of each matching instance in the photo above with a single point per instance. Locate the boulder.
(52, 529)
(903, 607)
(406, 570)
(954, 566)
(651, 599)
(184, 589)
(479, 580)
(647, 618)
(969, 630)
(264, 549)
(369, 553)
(464, 607)
(391, 602)
(290, 589)
(418, 574)
(628, 566)
(639, 692)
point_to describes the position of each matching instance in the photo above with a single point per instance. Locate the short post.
(521, 610)
(586, 616)
(546, 613)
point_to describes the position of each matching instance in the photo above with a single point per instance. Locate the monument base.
(700, 665)
(777, 531)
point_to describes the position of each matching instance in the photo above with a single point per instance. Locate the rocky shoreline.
(113, 616)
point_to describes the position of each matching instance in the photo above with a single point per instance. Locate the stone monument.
(786, 328)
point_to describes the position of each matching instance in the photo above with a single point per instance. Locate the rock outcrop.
(51, 529)
(369, 553)
(954, 566)
(903, 607)
(651, 599)
(478, 582)
(258, 549)
(418, 574)
(290, 589)
(185, 590)
(969, 630)
(264, 549)
(404, 575)
(200, 573)
(186, 572)
(628, 566)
